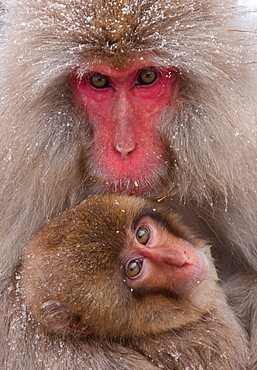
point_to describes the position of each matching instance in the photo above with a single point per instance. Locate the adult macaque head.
(125, 106)
(117, 267)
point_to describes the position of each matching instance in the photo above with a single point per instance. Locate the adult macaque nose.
(125, 148)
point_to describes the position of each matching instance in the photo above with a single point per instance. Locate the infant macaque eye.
(133, 268)
(143, 235)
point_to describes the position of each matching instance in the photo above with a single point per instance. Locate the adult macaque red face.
(125, 107)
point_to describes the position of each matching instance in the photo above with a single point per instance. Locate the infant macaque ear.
(61, 318)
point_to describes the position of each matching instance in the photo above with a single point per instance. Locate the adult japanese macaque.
(122, 269)
(143, 97)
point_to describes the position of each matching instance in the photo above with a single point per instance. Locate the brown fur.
(73, 281)
(45, 141)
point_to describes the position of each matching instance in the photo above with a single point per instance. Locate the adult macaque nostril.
(125, 148)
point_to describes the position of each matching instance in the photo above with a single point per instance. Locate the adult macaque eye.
(133, 268)
(146, 77)
(142, 235)
(99, 81)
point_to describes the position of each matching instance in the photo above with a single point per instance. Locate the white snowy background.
(248, 3)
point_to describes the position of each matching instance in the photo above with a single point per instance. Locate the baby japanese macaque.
(118, 269)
